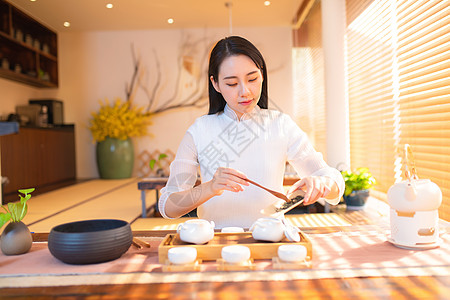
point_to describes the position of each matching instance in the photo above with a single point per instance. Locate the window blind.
(370, 89)
(399, 89)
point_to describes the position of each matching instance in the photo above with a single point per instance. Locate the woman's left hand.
(315, 187)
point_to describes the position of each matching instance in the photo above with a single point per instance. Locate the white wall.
(14, 93)
(97, 65)
(336, 98)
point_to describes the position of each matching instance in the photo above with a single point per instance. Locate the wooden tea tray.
(192, 267)
(212, 249)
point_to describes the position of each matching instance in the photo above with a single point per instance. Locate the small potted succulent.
(357, 185)
(16, 237)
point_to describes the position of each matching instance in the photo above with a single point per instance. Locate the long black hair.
(229, 46)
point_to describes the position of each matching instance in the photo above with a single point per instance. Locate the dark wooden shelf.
(23, 44)
(19, 77)
(22, 41)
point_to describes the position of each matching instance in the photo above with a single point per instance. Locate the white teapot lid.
(291, 232)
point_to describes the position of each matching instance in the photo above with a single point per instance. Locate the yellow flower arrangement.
(120, 121)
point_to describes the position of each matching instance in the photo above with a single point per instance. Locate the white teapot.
(414, 195)
(196, 231)
(268, 229)
(414, 213)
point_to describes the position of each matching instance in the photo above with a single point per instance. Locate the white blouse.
(258, 145)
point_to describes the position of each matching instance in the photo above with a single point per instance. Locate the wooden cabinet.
(28, 49)
(37, 157)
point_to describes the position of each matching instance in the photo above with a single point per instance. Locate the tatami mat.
(96, 199)
(55, 201)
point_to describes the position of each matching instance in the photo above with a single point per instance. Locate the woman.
(240, 137)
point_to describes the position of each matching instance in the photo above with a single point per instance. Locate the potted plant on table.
(16, 237)
(357, 185)
(112, 128)
(157, 162)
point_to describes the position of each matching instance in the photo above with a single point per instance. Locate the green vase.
(115, 158)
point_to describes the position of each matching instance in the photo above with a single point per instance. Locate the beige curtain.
(399, 89)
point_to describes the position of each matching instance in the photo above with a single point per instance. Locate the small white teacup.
(196, 231)
(235, 254)
(292, 253)
(182, 255)
(268, 229)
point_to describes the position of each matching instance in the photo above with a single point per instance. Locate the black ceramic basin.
(90, 241)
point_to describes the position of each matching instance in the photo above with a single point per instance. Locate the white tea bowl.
(292, 253)
(182, 255)
(196, 231)
(235, 254)
(232, 229)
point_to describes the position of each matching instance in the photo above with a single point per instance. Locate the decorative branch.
(130, 88)
(194, 99)
(151, 95)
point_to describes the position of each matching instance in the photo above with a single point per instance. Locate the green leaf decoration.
(26, 191)
(152, 164)
(22, 209)
(24, 199)
(162, 156)
(4, 217)
(14, 212)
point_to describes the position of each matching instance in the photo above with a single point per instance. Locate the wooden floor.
(12, 197)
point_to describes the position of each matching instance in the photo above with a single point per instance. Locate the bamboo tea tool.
(275, 193)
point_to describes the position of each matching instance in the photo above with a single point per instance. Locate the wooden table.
(392, 286)
(414, 287)
(147, 184)
(386, 287)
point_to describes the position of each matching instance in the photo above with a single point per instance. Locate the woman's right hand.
(227, 179)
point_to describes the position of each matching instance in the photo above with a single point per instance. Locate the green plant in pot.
(16, 237)
(357, 185)
(157, 163)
